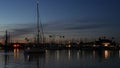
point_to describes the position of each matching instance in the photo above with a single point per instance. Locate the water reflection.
(57, 55)
(119, 53)
(78, 55)
(37, 60)
(94, 54)
(69, 53)
(5, 59)
(106, 54)
(16, 53)
(61, 59)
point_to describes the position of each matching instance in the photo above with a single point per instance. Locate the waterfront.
(60, 59)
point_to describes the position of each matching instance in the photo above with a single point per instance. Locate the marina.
(59, 34)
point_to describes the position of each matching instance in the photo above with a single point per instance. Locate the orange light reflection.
(106, 54)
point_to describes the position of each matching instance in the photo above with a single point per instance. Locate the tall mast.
(6, 38)
(40, 34)
(38, 27)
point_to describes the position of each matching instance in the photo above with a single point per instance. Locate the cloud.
(18, 30)
(84, 27)
(76, 24)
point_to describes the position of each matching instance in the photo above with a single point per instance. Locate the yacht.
(38, 48)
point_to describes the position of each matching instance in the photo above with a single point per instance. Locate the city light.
(16, 45)
(106, 44)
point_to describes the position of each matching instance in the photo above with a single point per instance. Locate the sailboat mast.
(38, 27)
(6, 38)
(40, 34)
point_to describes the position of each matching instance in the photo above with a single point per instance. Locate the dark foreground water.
(60, 59)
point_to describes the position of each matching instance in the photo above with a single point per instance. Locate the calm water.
(60, 59)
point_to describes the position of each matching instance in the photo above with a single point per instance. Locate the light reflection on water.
(119, 53)
(61, 59)
(69, 53)
(57, 55)
(106, 54)
(78, 55)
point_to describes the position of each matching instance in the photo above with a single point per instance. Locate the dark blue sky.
(79, 18)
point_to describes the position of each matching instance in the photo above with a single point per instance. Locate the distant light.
(68, 45)
(94, 45)
(106, 44)
(16, 45)
(28, 48)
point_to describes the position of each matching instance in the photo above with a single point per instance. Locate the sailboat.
(38, 48)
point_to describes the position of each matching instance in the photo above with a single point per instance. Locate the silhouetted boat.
(34, 50)
(37, 48)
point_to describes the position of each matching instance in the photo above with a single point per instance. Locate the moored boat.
(34, 50)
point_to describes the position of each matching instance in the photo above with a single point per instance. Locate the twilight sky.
(72, 18)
